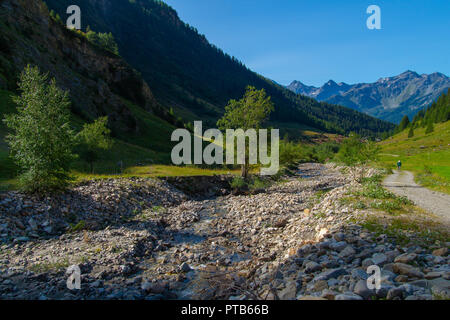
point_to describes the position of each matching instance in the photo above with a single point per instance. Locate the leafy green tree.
(247, 113)
(290, 152)
(411, 132)
(108, 42)
(94, 138)
(55, 16)
(92, 37)
(355, 152)
(104, 40)
(42, 140)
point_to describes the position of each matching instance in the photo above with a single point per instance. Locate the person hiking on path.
(399, 164)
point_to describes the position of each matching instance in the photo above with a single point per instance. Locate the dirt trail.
(402, 183)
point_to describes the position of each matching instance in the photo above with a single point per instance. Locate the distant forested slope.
(438, 111)
(187, 73)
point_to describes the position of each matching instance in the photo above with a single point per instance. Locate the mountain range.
(389, 98)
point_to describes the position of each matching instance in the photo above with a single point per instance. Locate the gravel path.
(402, 183)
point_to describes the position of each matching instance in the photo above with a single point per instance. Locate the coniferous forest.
(196, 78)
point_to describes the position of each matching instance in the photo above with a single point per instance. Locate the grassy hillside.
(145, 157)
(427, 155)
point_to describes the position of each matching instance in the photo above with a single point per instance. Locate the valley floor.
(145, 239)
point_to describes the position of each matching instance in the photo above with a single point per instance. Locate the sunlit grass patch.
(420, 154)
(406, 230)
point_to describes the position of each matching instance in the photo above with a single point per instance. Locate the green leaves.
(96, 135)
(247, 113)
(354, 151)
(93, 138)
(42, 140)
(103, 40)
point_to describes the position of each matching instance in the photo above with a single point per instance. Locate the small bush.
(258, 184)
(374, 190)
(427, 170)
(78, 227)
(238, 183)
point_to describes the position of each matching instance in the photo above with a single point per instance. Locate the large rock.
(395, 293)
(330, 274)
(406, 258)
(407, 270)
(290, 292)
(362, 290)
(312, 267)
(309, 298)
(348, 296)
(440, 252)
(347, 252)
(379, 259)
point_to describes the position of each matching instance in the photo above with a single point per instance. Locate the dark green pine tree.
(411, 132)
(430, 127)
(403, 124)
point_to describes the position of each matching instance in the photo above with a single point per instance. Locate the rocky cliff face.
(388, 98)
(98, 80)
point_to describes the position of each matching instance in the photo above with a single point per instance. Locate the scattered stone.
(348, 251)
(312, 267)
(395, 293)
(311, 298)
(329, 274)
(407, 270)
(348, 296)
(126, 229)
(150, 287)
(362, 290)
(185, 267)
(441, 252)
(379, 259)
(290, 292)
(406, 258)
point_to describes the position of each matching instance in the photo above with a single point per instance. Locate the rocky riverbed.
(146, 239)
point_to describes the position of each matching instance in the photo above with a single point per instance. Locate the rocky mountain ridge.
(388, 98)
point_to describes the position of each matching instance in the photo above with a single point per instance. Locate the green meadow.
(427, 155)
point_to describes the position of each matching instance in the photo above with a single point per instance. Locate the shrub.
(427, 170)
(103, 40)
(258, 183)
(238, 183)
(93, 138)
(290, 152)
(356, 152)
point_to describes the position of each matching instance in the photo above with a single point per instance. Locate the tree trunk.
(245, 167)
(244, 171)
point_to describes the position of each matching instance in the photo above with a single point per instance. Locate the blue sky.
(317, 40)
